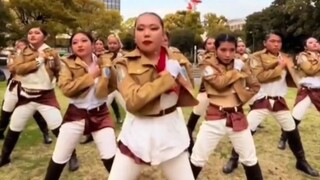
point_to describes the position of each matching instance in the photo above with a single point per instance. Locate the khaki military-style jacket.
(308, 64)
(265, 66)
(141, 86)
(245, 57)
(224, 81)
(75, 81)
(33, 76)
(110, 54)
(175, 53)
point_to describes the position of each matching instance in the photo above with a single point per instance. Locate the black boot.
(108, 163)
(73, 162)
(9, 143)
(56, 131)
(296, 147)
(116, 111)
(54, 171)
(4, 122)
(88, 139)
(191, 142)
(232, 164)
(253, 172)
(283, 140)
(43, 127)
(195, 170)
(192, 122)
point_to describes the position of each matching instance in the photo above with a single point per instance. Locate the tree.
(54, 16)
(92, 16)
(215, 25)
(127, 39)
(5, 18)
(63, 16)
(183, 20)
(128, 25)
(295, 19)
(184, 40)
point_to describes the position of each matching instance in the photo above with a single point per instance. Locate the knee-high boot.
(54, 171)
(296, 147)
(195, 170)
(253, 172)
(73, 162)
(283, 138)
(9, 143)
(191, 125)
(43, 127)
(232, 164)
(108, 163)
(4, 122)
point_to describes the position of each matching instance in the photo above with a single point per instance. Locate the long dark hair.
(89, 36)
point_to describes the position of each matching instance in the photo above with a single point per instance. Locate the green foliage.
(5, 18)
(215, 25)
(183, 20)
(295, 19)
(185, 40)
(127, 39)
(62, 16)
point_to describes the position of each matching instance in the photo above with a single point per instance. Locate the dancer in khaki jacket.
(229, 84)
(86, 80)
(153, 86)
(274, 70)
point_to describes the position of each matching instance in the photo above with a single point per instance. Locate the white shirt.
(90, 101)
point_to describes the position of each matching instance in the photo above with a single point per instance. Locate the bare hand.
(283, 63)
(94, 70)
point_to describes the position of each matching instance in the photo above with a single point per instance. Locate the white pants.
(155, 139)
(124, 168)
(201, 108)
(70, 135)
(23, 113)
(284, 118)
(300, 109)
(10, 99)
(210, 134)
(116, 95)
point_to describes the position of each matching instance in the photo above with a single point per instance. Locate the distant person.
(10, 99)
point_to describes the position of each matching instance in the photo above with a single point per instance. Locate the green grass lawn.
(31, 156)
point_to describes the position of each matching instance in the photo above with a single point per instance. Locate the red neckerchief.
(162, 60)
(162, 65)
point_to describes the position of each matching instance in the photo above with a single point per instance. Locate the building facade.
(236, 24)
(112, 4)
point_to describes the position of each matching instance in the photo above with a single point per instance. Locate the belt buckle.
(162, 112)
(235, 109)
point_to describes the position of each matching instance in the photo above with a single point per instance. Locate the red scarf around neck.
(162, 60)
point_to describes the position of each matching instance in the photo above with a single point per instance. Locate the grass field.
(31, 156)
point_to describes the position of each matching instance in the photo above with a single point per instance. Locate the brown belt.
(274, 97)
(309, 88)
(228, 109)
(164, 111)
(97, 109)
